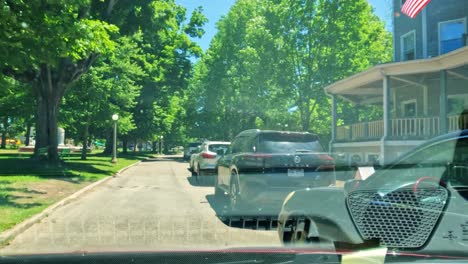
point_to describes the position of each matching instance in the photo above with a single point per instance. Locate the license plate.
(295, 173)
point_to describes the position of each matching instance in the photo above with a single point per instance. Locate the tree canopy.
(86, 59)
(75, 63)
(269, 62)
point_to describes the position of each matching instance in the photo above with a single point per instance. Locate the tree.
(168, 65)
(16, 108)
(109, 87)
(271, 59)
(325, 41)
(50, 45)
(227, 95)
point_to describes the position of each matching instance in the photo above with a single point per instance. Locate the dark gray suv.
(262, 167)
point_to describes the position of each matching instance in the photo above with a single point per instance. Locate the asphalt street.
(153, 206)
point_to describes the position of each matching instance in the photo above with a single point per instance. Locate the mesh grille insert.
(401, 218)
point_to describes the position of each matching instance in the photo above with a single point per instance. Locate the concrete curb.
(10, 234)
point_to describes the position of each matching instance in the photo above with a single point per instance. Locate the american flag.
(412, 7)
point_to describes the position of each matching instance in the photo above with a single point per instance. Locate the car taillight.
(208, 155)
(325, 157)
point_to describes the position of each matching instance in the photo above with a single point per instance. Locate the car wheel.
(192, 170)
(235, 201)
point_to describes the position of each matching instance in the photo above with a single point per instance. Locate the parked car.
(262, 167)
(190, 149)
(203, 162)
(418, 203)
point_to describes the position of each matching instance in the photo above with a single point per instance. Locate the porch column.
(334, 121)
(386, 107)
(443, 103)
(386, 120)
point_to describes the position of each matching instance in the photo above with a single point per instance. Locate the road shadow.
(246, 219)
(219, 205)
(203, 181)
(174, 158)
(163, 158)
(152, 160)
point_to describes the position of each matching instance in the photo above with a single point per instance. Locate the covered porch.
(418, 100)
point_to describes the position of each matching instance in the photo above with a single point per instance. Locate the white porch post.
(424, 32)
(334, 121)
(386, 119)
(443, 102)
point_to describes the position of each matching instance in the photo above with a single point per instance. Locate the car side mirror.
(220, 152)
(352, 184)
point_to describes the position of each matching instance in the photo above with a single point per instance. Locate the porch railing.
(425, 126)
(366, 130)
(418, 127)
(455, 123)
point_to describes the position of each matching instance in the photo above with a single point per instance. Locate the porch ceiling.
(367, 87)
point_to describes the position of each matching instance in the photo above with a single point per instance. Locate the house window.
(410, 108)
(408, 46)
(451, 35)
(457, 103)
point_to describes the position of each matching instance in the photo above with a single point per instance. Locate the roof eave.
(450, 60)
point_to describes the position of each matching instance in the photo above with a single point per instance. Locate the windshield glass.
(182, 126)
(288, 143)
(217, 147)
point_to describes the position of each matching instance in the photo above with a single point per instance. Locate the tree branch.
(110, 7)
(26, 76)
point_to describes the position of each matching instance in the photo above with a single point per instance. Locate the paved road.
(152, 206)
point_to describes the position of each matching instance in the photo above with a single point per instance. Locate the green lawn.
(28, 186)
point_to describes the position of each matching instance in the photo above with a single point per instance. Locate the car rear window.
(289, 143)
(216, 147)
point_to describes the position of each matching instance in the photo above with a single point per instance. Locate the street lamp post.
(115, 117)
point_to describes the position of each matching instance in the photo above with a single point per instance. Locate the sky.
(215, 9)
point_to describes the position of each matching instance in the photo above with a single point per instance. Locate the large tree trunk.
(49, 92)
(4, 132)
(49, 84)
(125, 144)
(28, 134)
(108, 147)
(84, 149)
(155, 146)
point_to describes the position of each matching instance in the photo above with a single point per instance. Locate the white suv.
(204, 161)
